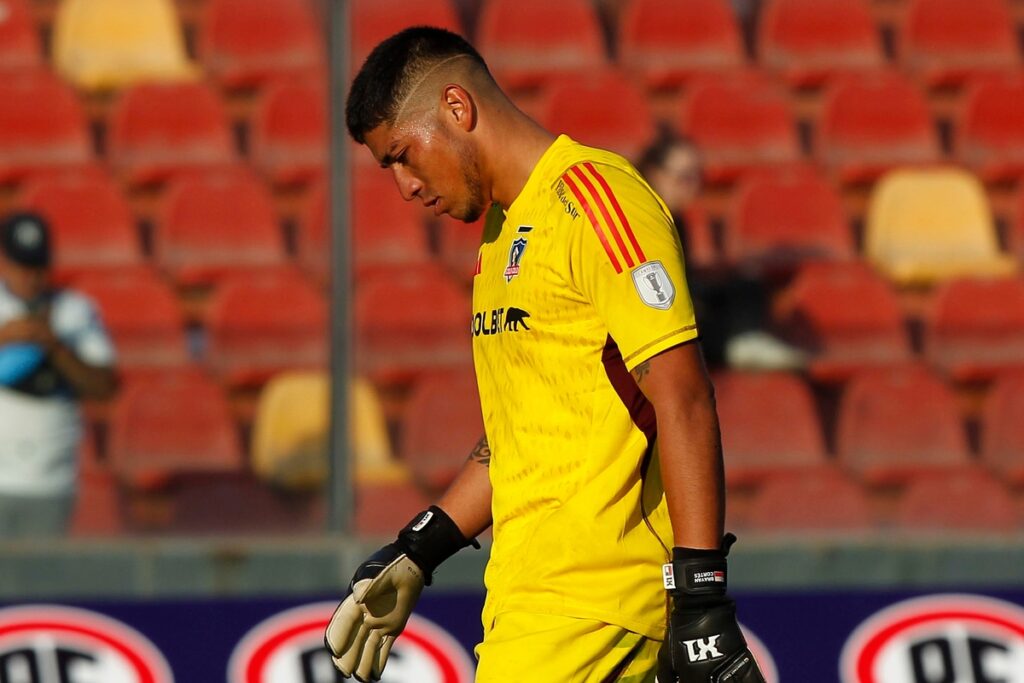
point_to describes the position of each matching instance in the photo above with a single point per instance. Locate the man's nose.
(408, 185)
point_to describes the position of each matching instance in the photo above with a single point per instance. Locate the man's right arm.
(468, 500)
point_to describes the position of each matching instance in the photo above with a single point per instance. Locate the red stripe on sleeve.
(604, 212)
(593, 221)
(618, 210)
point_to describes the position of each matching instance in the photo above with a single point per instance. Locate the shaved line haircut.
(395, 70)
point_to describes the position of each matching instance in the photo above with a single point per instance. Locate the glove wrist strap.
(431, 538)
(699, 573)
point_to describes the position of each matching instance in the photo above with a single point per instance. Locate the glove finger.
(349, 659)
(389, 598)
(364, 669)
(382, 656)
(343, 626)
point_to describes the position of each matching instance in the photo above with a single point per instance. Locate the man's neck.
(517, 144)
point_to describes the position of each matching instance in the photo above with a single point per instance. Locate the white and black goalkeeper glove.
(703, 643)
(384, 591)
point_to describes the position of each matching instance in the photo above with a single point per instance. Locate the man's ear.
(460, 107)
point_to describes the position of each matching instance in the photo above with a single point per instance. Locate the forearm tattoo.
(481, 453)
(641, 371)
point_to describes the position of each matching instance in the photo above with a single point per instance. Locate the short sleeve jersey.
(580, 281)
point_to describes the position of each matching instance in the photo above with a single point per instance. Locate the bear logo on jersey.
(654, 285)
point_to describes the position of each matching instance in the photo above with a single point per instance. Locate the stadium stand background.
(864, 156)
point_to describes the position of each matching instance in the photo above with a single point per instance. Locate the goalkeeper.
(601, 471)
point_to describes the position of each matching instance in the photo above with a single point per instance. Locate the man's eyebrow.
(389, 157)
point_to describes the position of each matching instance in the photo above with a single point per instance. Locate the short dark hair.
(657, 151)
(392, 69)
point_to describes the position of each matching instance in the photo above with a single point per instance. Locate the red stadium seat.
(42, 126)
(944, 42)
(897, 424)
(157, 130)
(93, 227)
(262, 324)
(990, 134)
(769, 425)
(245, 44)
(528, 42)
(872, 123)
(375, 20)
(580, 108)
(19, 43)
(289, 132)
(667, 43)
(387, 230)
(740, 124)
(808, 40)
(383, 506)
(816, 500)
(442, 423)
(1002, 428)
(215, 223)
(314, 233)
(97, 501)
(781, 219)
(975, 327)
(142, 314)
(170, 423)
(963, 500)
(459, 244)
(408, 321)
(848, 315)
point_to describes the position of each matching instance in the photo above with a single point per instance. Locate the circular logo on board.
(938, 639)
(289, 648)
(764, 659)
(55, 643)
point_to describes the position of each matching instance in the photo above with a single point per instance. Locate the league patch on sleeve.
(654, 285)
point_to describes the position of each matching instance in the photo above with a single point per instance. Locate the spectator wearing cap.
(54, 351)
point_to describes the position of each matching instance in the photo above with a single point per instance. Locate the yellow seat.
(291, 432)
(924, 226)
(109, 44)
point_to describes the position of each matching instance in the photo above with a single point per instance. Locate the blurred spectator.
(53, 351)
(731, 307)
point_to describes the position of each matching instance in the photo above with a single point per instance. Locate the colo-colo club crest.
(515, 253)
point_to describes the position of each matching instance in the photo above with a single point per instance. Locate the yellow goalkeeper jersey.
(577, 283)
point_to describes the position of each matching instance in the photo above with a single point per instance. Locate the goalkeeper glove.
(384, 590)
(703, 643)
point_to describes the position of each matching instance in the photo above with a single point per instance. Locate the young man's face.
(22, 281)
(432, 164)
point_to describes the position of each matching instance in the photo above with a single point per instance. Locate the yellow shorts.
(545, 648)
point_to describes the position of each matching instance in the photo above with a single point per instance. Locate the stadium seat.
(215, 223)
(579, 107)
(19, 43)
(808, 41)
(384, 505)
(990, 130)
(781, 219)
(97, 500)
(459, 246)
(387, 231)
(408, 321)
(375, 20)
(847, 315)
(528, 42)
(740, 124)
(817, 500)
(170, 423)
(928, 225)
(964, 500)
(143, 316)
(289, 132)
(245, 44)
(157, 130)
(104, 44)
(975, 327)
(93, 227)
(896, 424)
(872, 123)
(42, 126)
(1002, 428)
(291, 431)
(441, 425)
(769, 425)
(944, 42)
(667, 43)
(262, 324)
(313, 233)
